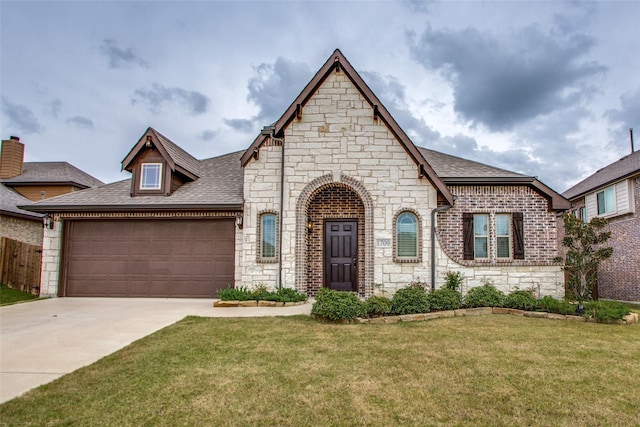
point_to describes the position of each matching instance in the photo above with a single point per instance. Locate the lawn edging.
(256, 303)
(480, 311)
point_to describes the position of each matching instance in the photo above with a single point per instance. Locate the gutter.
(433, 243)
(42, 208)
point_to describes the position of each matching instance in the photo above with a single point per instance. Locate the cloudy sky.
(549, 89)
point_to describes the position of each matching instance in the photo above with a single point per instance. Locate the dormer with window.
(158, 166)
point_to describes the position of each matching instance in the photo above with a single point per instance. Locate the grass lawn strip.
(10, 296)
(487, 370)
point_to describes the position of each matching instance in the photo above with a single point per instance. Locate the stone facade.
(22, 230)
(51, 257)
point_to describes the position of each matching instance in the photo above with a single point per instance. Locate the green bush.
(410, 300)
(444, 299)
(484, 296)
(377, 306)
(604, 311)
(290, 295)
(240, 293)
(521, 299)
(336, 305)
(552, 305)
(453, 280)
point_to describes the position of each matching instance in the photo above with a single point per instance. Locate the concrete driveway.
(43, 340)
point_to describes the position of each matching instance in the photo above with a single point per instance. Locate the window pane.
(609, 201)
(601, 202)
(502, 225)
(150, 179)
(481, 249)
(407, 235)
(503, 247)
(268, 232)
(480, 225)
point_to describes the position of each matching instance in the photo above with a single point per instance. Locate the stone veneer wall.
(51, 256)
(22, 230)
(336, 140)
(536, 270)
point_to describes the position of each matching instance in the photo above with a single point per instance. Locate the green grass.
(10, 296)
(486, 370)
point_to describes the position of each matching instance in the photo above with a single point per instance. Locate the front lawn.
(10, 296)
(487, 370)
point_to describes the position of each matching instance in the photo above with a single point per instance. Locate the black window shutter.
(518, 235)
(467, 233)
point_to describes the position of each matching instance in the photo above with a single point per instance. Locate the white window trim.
(614, 208)
(509, 235)
(261, 258)
(142, 175)
(486, 236)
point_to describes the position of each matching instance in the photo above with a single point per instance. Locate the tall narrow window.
(503, 235)
(480, 236)
(268, 236)
(150, 178)
(606, 201)
(406, 235)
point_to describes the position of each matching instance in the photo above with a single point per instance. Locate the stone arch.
(302, 207)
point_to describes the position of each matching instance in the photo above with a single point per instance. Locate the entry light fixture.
(239, 220)
(47, 222)
(309, 224)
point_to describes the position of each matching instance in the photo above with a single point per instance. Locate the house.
(613, 192)
(20, 184)
(334, 194)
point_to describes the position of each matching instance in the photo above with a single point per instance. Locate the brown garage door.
(148, 258)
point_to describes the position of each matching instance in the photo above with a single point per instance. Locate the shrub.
(377, 306)
(444, 299)
(604, 311)
(410, 300)
(336, 305)
(240, 293)
(552, 305)
(484, 296)
(290, 295)
(453, 280)
(260, 292)
(521, 299)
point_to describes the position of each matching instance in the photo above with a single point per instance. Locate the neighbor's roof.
(59, 173)
(9, 202)
(623, 168)
(219, 187)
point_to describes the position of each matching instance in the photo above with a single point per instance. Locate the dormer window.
(151, 178)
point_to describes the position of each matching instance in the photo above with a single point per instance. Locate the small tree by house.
(585, 243)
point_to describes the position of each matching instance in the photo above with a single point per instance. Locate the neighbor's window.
(606, 201)
(151, 176)
(583, 214)
(503, 235)
(268, 236)
(406, 235)
(480, 236)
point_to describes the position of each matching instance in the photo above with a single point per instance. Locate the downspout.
(433, 243)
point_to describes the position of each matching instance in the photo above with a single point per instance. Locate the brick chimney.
(11, 157)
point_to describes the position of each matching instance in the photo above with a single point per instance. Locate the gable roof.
(627, 166)
(458, 171)
(9, 202)
(218, 188)
(337, 60)
(52, 173)
(177, 159)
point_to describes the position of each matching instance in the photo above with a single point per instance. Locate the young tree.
(585, 250)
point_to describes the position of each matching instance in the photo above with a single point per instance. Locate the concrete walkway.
(43, 340)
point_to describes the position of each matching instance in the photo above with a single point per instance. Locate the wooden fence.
(20, 265)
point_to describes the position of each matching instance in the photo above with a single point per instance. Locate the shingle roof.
(179, 156)
(626, 166)
(220, 186)
(53, 172)
(448, 166)
(9, 202)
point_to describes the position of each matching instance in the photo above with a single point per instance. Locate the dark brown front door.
(340, 251)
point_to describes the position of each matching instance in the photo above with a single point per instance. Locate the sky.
(548, 89)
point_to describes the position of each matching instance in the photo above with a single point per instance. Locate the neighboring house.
(334, 194)
(613, 192)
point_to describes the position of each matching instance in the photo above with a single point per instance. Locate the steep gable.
(337, 62)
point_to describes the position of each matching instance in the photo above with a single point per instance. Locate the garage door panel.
(149, 258)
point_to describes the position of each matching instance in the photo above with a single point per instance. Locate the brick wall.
(22, 230)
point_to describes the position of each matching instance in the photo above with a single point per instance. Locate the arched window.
(267, 232)
(406, 236)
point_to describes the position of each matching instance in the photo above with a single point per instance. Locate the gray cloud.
(21, 117)
(504, 81)
(119, 57)
(196, 102)
(54, 106)
(241, 125)
(275, 86)
(80, 121)
(623, 118)
(208, 135)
